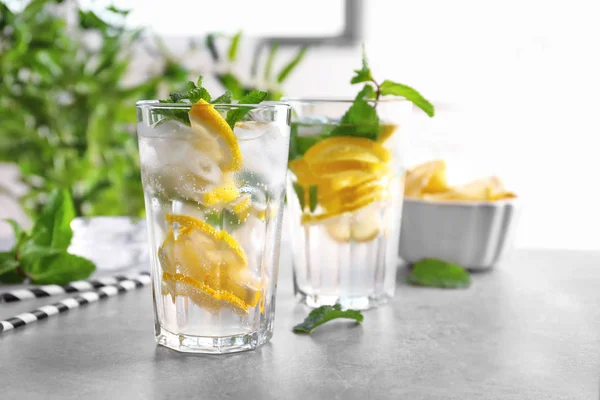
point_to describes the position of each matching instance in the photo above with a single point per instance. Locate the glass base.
(353, 302)
(211, 345)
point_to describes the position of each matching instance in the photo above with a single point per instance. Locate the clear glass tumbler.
(214, 203)
(344, 191)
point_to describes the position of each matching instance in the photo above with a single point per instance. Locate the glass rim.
(317, 100)
(263, 105)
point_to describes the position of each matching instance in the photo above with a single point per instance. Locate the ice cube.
(165, 129)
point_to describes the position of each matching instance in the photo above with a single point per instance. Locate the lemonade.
(345, 202)
(214, 201)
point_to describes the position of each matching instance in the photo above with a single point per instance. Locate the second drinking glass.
(344, 191)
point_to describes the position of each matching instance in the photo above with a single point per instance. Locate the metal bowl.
(475, 235)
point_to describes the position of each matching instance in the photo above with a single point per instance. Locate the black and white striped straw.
(73, 287)
(73, 302)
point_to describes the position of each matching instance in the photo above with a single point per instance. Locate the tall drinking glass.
(345, 188)
(214, 203)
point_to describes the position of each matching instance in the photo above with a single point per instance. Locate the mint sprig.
(438, 273)
(196, 92)
(236, 115)
(387, 87)
(41, 255)
(361, 119)
(324, 314)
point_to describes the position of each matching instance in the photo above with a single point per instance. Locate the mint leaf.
(232, 83)
(312, 198)
(233, 48)
(300, 144)
(30, 252)
(285, 72)
(194, 95)
(19, 234)
(363, 74)
(361, 119)
(59, 268)
(212, 47)
(177, 114)
(270, 60)
(438, 273)
(225, 98)
(8, 263)
(236, 115)
(323, 314)
(398, 89)
(52, 228)
(299, 189)
(12, 277)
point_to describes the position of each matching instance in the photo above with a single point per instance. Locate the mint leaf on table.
(324, 314)
(41, 255)
(237, 114)
(397, 89)
(438, 273)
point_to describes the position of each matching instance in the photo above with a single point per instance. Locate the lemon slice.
(201, 294)
(349, 198)
(210, 240)
(386, 133)
(347, 149)
(363, 228)
(429, 177)
(223, 194)
(303, 172)
(211, 261)
(215, 137)
(486, 189)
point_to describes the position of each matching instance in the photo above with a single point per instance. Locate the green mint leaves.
(225, 98)
(398, 89)
(41, 255)
(324, 314)
(437, 273)
(313, 199)
(195, 92)
(363, 74)
(289, 67)
(236, 115)
(361, 119)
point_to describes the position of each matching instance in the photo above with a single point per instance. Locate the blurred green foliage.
(269, 83)
(66, 117)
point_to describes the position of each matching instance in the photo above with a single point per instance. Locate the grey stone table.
(529, 329)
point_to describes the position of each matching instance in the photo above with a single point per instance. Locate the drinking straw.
(73, 302)
(73, 287)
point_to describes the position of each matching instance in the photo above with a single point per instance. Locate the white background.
(516, 83)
